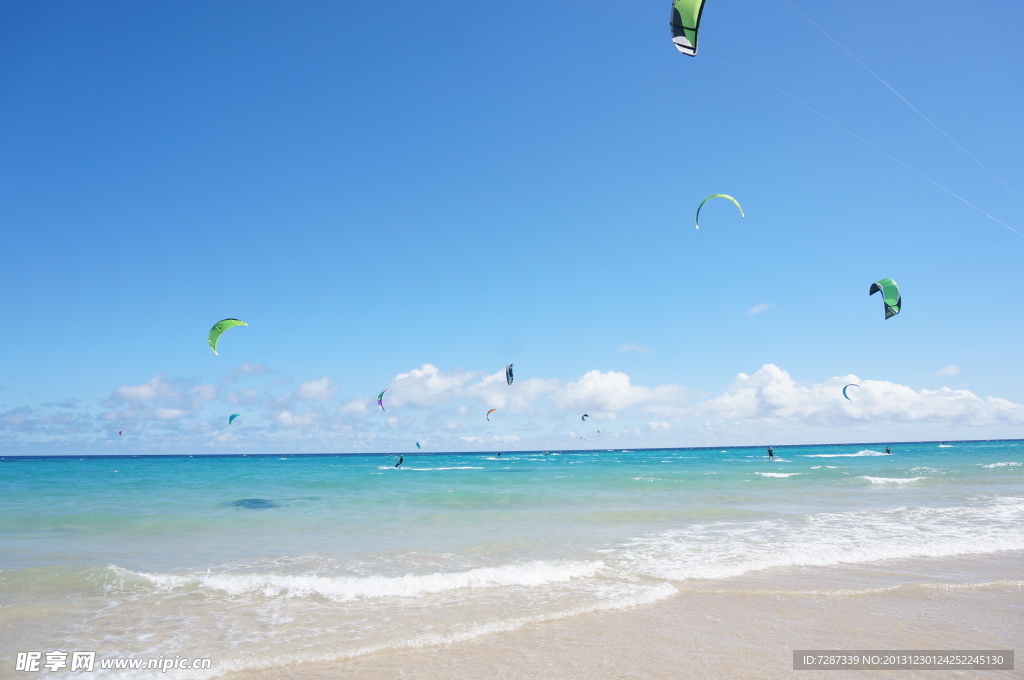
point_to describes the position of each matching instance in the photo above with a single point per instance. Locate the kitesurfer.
(771, 453)
(888, 450)
(400, 460)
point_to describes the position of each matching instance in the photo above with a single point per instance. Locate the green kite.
(218, 330)
(696, 218)
(685, 22)
(890, 295)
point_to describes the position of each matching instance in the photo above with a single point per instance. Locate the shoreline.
(742, 627)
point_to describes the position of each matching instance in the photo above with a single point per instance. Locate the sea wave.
(343, 588)
(725, 549)
(892, 480)
(864, 452)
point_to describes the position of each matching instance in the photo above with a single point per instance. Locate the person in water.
(888, 450)
(771, 453)
(400, 460)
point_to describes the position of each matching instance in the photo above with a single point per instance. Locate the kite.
(685, 22)
(844, 390)
(379, 398)
(417, 445)
(696, 217)
(585, 416)
(489, 414)
(120, 432)
(219, 328)
(890, 295)
(508, 374)
(232, 417)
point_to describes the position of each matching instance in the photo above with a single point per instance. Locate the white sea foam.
(892, 480)
(342, 588)
(778, 474)
(865, 452)
(720, 550)
(461, 633)
(999, 465)
(457, 467)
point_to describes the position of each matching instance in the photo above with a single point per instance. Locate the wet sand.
(744, 627)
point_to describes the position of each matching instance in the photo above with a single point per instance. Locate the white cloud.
(169, 413)
(630, 347)
(159, 399)
(156, 388)
(316, 390)
(428, 387)
(771, 394)
(757, 309)
(951, 369)
(242, 397)
(286, 418)
(613, 392)
(358, 406)
(536, 412)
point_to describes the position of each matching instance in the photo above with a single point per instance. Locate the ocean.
(264, 563)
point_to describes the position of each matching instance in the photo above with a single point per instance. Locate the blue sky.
(414, 196)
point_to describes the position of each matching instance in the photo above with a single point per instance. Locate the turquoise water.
(262, 561)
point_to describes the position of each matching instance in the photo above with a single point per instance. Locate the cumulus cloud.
(244, 397)
(316, 390)
(772, 394)
(354, 406)
(613, 392)
(159, 398)
(535, 412)
(951, 369)
(428, 386)
(287, 418)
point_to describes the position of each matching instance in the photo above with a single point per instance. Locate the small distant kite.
(218, 330)
(418, 445)
(890, 295)
(696, 218)
(120, 432)
(380, 397)
(489, 414)
(844, 390)
(232, 417)
(508, 374)
(585, 416)
(685, 22)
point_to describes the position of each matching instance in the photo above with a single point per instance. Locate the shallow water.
(261, 562)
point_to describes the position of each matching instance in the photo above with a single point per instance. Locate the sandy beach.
(745, 627)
